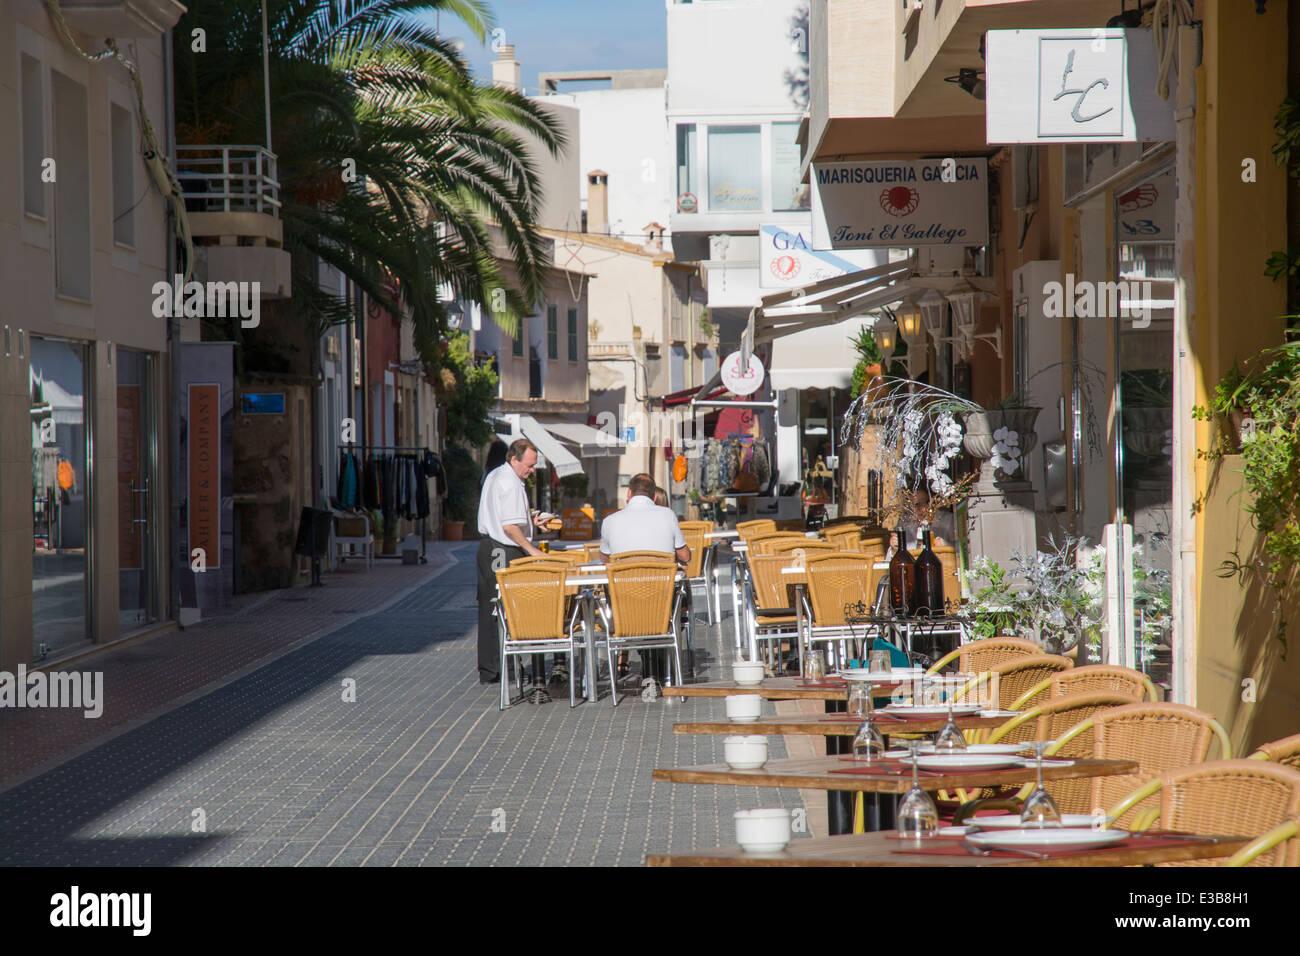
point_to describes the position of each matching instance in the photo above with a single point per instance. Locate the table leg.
(839, 803)
(593, 665)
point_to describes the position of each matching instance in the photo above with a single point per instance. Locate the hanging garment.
(370, 482)
(421, 494)
(762, 464)
(347, 483)
(388, 496)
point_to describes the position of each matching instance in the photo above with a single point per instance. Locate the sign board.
(261, 403)
(204, 506)
(900, 203)
(577, 525)
(742, 380)
(789, 259)
(1146, 212)
(687, 202)
(1074, 86)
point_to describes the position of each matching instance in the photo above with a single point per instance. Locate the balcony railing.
(228, 179)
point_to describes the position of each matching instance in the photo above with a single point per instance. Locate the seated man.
(643, 526)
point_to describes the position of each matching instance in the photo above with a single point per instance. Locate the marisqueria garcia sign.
(892, 204)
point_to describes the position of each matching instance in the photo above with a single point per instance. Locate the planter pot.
(389, 546)
(1144, 436)
(978, 439)
(453, 531)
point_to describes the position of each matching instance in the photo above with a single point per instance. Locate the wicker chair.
(643, 556)
(1261, 844)
(765, 543)
(645, 603)
(1160, 737)
(1092, 678)
(1284, 751)
(1238, 797)
(809, 545)
(757, 526)
(977, 656)
(1010, 679)
(835, 580)
(846, 537)
(774, 618)
(530, 610)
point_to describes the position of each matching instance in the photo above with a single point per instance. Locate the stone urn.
(978, 440)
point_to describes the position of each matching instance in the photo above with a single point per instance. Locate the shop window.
(787, 191)
(687, 146)
(735, 168)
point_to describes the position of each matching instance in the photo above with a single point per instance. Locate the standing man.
(505, 526)
(644, 526)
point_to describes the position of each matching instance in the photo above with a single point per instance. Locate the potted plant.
(460, 507)
(870, 362)
(1001, 435)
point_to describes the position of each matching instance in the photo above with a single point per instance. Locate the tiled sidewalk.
(273, 766)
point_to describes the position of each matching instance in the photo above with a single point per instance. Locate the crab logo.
(785, 267)
(1140, 198)
(900, 200)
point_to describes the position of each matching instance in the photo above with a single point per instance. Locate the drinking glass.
(815, 664)
(859, 698)
(1040, 809)
(950, 739)
(868, 742)
(879, 662)
(918, 817)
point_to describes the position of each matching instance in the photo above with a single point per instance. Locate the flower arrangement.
(1006, 452)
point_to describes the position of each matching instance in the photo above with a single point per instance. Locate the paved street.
(268, 765)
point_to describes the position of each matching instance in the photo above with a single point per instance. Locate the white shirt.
(641, 526)
(503, 501)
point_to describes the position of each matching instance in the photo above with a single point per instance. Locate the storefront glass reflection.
(60, 495)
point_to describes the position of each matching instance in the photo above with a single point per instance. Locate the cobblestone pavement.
(274, 767)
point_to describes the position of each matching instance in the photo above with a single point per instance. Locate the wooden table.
(774, 688)
(815, 773)
(877, 849)
(834, 725)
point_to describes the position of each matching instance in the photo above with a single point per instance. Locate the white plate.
(968, 762)
(1058, 838)
(1011, 821)
(863, 673)
(937, 710)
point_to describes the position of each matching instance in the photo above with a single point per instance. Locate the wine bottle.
(929, 578)
(902, 578)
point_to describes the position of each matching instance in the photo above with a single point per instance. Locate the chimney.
(505, 68)
(598, 201)
(654, 237)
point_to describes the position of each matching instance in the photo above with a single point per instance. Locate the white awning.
(830, 301)
(590, 442)
(548, 446)
(821, 357)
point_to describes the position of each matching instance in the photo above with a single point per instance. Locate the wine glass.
(815, 665)
(1040, 809)
(950, 738)
(859, 698)
(918, 817)
(868, 742)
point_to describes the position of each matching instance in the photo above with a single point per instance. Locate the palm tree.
(441, 161)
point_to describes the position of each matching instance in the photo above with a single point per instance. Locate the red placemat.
(954, 847)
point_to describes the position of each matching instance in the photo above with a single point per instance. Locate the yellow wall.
(1241, 81)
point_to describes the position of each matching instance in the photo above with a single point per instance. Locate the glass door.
(60, 495)
(136, 454)
(1144, 218)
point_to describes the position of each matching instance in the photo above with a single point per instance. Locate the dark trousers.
(492, 555)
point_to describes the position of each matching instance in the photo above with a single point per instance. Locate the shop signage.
(740, 379)
(1146, 212)
(1074, 86)
(262, 403)
(204, 506)
(687, 202)
(789, 259)
(900, 203)
(577, 525)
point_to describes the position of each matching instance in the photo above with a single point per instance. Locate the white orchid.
(1006, 450)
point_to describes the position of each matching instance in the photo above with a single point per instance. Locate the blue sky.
(573, 35)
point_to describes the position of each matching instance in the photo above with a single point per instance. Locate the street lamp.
(911, 328)
(886, 340)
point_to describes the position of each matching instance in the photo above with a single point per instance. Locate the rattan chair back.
(1285, 751)
(703, 527)
(641, 597)
(758, 526)
(765, 542)
(695, 541)
(542, 560)
(642, 556)
(808, 545)
(1103, 678)
(1160, 737)
(978, 656)
(1238, 797)
(1014, 677)
(770, 585)
(845, 537)
(532, 597)
(838, 579)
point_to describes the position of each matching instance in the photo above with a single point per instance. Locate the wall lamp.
(970, 80)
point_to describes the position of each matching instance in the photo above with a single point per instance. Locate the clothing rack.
(419, 450)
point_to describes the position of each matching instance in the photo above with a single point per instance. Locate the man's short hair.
(642, 484)
(518, 448)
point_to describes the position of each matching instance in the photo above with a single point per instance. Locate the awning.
(548, 446)
(590, 442)
(822, 357)
(830, 301)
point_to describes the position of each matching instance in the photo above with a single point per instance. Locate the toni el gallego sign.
(900, 203)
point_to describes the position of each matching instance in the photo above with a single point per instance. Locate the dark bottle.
(929, 578)
(902, 579)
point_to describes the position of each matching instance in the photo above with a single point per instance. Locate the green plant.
(463, 476)
(707, 328)
(574, 486)
(1017, 399)
(468, 396)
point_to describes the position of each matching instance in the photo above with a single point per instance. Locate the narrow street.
(421, 770)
